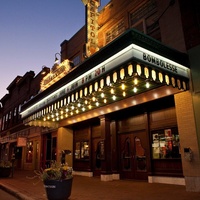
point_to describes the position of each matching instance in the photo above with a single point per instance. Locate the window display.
(29, 152)
(82, 150)
(165, 144)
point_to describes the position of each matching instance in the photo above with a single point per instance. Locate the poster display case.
(165, 144)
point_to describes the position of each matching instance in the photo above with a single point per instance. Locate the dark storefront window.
(165, 144)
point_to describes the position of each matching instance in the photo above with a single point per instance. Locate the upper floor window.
(145, 18)
(76, 60)
(115, 31)
(15, 111)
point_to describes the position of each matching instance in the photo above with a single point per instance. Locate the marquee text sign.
(130, 52)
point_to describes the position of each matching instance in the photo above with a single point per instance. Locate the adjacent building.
(124, 99)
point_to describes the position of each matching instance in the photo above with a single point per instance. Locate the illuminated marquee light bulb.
(57, 118)
(102, 95)
(86, 102)
(147, 84)
(89, 106)
(61, 112)
(52, 116)
(57, 114)
(79, 105)
(112, 91)
(114, 97)
(71, 113)
(105, 100)
(135, 81)
(66, 115)
(123, 86)
(72, 107)
(83, 109)
(97, 103)
(124, 94)
(77, 111)
(48, 117)
(44, 119)
(135, 89)
(61, 117)
(93, 99)
(67, 110)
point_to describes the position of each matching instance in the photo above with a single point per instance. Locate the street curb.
(14, 192)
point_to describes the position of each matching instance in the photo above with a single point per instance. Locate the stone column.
(188, 139)
(106, 172)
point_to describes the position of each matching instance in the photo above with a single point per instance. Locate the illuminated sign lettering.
(92, 25)
(56, 73)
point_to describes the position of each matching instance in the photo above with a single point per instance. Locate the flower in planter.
(57, 171)
(5, 164)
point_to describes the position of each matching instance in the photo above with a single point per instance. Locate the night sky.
(31, 33)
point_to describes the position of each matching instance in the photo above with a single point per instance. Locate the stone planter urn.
(5, 171)
(58, 189)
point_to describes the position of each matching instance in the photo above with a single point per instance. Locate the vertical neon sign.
(92, 26)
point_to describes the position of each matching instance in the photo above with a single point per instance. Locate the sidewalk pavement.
(24, 186)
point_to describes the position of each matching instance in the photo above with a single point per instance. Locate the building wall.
(188, 138)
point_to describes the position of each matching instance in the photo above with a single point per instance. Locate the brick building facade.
(117, 128)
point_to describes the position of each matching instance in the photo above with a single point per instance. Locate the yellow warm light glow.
(139, 70)
(102, 83)
(130, 70)
(93, 98)
(89, 106)
(97, 103)
(96, 86)
(124, 94)
(102, 95)
(135, 89)
(114, 97)
(112, 91)
(153, 74)
(122, 73)
(105, 100)
(147, 84)
(123, 86)
(135, 81)
(108, 80)
(146, 72)
(160, 77)
(115, 77)
(86, 102)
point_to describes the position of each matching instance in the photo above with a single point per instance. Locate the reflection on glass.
(29, 152)
(165, 144)
(82, 150)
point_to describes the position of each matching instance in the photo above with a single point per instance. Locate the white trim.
(166, 180)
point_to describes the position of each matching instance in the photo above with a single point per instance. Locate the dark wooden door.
(133, 155)
(96, 156)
